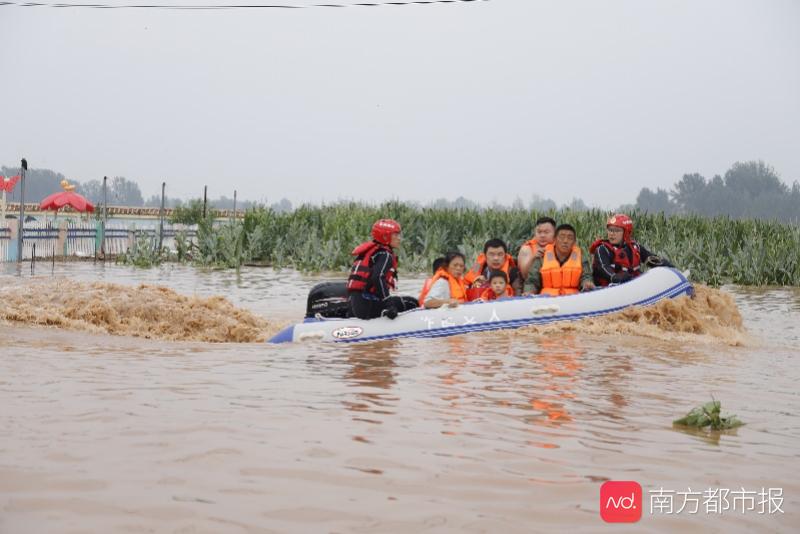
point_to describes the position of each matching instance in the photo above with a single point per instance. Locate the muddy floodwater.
(510, 431)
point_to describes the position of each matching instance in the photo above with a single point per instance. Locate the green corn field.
(314, 239)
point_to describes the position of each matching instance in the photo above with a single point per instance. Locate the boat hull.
(655, 285)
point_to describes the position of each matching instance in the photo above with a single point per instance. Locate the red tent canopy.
(58, 200)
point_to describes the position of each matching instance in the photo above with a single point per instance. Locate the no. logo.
(348, 332)
(621, 501)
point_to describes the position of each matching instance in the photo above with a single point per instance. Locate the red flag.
(7, 184)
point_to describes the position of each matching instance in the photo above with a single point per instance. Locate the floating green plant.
(708, 415)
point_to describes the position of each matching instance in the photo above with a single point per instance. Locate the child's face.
(498, 285)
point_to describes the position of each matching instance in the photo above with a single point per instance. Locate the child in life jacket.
(499, 288)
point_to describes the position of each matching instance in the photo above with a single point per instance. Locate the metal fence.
(69, 238)
(5, 238)
(39, 240)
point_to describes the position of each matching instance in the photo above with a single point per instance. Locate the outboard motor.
(328, 299)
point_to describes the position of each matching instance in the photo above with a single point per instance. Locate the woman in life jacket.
(438, 263)
(447, 286)
(563, 269)
(495, 257)
(373, 275)
(544, 234)
(619, 258)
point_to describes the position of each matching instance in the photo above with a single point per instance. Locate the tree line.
(40, 183)
(748, 190)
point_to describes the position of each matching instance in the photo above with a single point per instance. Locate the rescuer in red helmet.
(374, 275)
(619, 258)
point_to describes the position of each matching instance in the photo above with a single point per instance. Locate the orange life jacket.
(560, 279)
(488, 294)
(531, 243)
(426, 288)
(480, 265)
(458, 289)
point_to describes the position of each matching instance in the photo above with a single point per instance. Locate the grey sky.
(488, 100)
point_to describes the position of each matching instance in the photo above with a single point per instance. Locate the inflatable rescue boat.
(654, 285)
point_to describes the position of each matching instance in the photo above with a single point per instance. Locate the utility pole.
(21, 225)
(161, 217)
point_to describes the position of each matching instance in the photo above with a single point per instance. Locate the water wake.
(151, 312)
(156, 312)
(712, 314)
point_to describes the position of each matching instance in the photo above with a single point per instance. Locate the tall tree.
(754, 178)
(92, 190)
(577, 204)
(539, 203)
(655, 202)
(124, 192)
(688, 193)
(750, 189)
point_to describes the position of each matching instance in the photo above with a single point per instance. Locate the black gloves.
(620, 278)
(390, 312)
(656, 261)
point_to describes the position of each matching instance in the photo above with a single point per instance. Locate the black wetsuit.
(369, 305)
(602, 265)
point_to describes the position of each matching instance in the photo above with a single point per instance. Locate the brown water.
(152, 312)
(507, 431)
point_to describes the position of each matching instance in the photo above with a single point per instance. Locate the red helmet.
(621, 220)
(383, 229)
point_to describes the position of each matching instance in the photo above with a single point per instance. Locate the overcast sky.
(490, 100)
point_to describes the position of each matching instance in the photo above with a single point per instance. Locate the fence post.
(61, 244)
(205, 200)
(131, 237)
(105, 216)
(234, 207)
(99, 237)
(13, 241)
